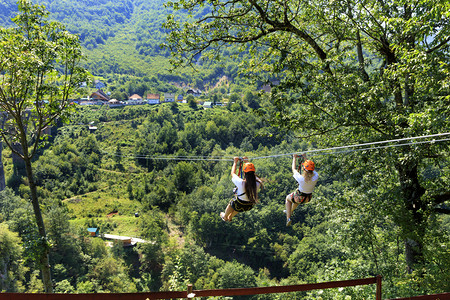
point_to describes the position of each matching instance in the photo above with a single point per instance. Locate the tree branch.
(444, 42)
(439, 199)
(289, 27)
(444, 211)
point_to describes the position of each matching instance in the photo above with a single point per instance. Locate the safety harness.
(304, 198)
(240, 174)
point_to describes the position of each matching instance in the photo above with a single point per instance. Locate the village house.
(99, 95)
(126, 241)
(115, 103)
(136, 100)
(268, 86)
(153, 98)
(92, 128)
(93, 231)
(194, 92)
(169, 97)
(84, 101)
(99, 85)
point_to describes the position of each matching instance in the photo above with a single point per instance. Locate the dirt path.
(176, 232)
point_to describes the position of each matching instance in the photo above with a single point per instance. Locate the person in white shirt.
(246, 195)
(306, 182)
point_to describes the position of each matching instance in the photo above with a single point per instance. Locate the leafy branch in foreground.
(39, 70)
(348, 72)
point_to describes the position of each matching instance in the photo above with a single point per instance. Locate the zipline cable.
(189, 158)
(314, 151)
(368, 144)
(353, 150)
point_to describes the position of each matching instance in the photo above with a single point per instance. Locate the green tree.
(191, 101)
(64, 287)
(112, 276)
(118, 157)
(174, 108)
(251, 100)
(66, 251)
(233, 98)
(152, 226)
(215, 99)
(228, 273)
(12, 270)
(184, 176)
(96, 248)
(349, 71)
(39, 70)
(151, 258)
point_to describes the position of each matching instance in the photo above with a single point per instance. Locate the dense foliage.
(122, 40)
(102, 178)
(347, 71)
(40, 68)
(162, 172)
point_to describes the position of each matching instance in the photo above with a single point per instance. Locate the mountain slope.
(119, 37)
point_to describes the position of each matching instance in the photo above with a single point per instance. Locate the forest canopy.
(348, 72)
(339, 73)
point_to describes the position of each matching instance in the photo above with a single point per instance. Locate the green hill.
(162, 172)
(122, 40)
(170, 164)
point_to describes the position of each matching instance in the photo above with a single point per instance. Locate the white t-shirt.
(306, 187)
(240, 184)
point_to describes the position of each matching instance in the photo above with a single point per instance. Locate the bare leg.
(288, 206)
(288, 209)
(229, 213)
(232, 214)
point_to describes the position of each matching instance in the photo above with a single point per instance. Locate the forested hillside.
(361, 88)
(122, 40)
(117, 179)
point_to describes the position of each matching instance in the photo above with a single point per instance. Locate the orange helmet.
(309, 165)
(248, 167)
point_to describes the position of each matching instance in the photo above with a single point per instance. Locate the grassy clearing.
(116, 224)
(101, 203)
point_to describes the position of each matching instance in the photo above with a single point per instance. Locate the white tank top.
(306, 187)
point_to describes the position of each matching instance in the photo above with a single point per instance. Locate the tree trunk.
(44, 258)
(415, 222)
(2, 170)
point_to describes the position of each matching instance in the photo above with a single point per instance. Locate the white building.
(169, 97)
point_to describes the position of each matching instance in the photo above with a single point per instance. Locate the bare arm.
(233, 168)
(294, 167)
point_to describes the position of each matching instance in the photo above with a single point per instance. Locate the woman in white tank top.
(306, 182)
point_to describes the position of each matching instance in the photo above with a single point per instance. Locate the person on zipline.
(306, 182)
(246, 193)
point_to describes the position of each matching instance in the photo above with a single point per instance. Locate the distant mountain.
(93, 21)
(119, 37)
(121, 40)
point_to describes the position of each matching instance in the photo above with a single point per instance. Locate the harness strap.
(300, 162)
(242, 202)
(302, 196)
(240, 173)
(235, 190)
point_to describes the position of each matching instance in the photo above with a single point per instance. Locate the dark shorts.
(299, 197)
(240, 205)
